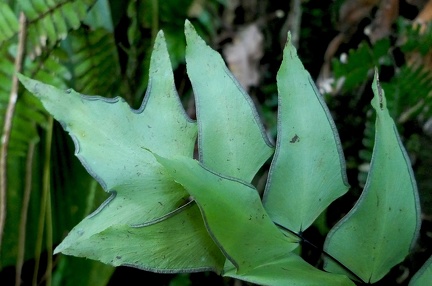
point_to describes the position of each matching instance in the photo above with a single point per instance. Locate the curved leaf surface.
(233, 214)
(112, 142)
(308, 170)
(384, 223)
(235, 218)
(290, 270)
(231, 138)
(178, 244)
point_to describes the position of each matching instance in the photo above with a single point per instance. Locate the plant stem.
(24, 211)
(7, 127)
(45, 211)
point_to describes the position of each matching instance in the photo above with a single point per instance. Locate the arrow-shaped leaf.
(112, 142)
(231, 138)
(233, 213)
(308, 169)
(289, 270)
(383, 225)
(179, 243)
(235, 218)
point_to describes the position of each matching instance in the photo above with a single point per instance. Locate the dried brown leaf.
(381, 25)
(244, 54)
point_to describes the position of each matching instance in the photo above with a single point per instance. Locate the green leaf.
(383, 225)
(235, 218)
(233, 214)
(308, 169)
(424, 275)
(231, 139)
(180, 243)
(112, 142)
(289, 270)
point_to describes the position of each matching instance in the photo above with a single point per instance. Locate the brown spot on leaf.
(295, 139)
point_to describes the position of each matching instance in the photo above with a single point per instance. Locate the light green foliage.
(308, 169)
(270, 261)
(141, 190)
(387, 215)
(231, 137)
(239, 200)
(170, 213)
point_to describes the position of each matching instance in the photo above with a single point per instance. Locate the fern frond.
(29, 114)
(94, 59)
(409, 93)
(416, 38)
(48, 21)
(8, 23)
(361, 63)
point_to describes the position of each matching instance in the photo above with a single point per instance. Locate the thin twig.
(45, 209)
(49, 228)
(7, 127)
(24, 211)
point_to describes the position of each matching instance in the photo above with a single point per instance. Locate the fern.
(93, 57)
(417, 38)
(361, 62)
(48, 21)
(8, 23)
(409, 89)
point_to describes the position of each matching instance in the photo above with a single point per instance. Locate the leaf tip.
(160, 36)
(30, 84)
(189, 28)
(191, 34)
(379, 100)
(23, 79)
(159, 45)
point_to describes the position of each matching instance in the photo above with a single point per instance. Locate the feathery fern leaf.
(93, 56)
(8, 22)
(28, 113)
(361, 63)
(48, 21)
(411, 87)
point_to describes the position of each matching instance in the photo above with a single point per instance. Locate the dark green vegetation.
(109, 55)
